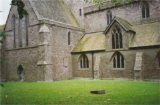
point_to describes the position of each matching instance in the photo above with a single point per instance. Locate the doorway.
(20, 72)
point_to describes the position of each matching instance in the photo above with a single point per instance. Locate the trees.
(20, 8)
(1, 33)
(116, 2)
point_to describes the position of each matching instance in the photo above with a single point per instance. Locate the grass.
(77, 92)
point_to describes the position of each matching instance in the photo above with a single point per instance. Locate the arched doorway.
(20, 72)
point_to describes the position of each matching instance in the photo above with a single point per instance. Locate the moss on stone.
(68, 14)
(146, 35)
(91, 42)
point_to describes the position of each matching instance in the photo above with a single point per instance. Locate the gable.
(147, 34)
(13, 11)
(55, 10)
(123, 23)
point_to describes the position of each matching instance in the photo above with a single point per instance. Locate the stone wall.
(79, 72)
(96, 20)
(61, 51)
(149, 70)
(25, 55)
(75, 6)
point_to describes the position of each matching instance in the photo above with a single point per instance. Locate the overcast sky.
(4, 10)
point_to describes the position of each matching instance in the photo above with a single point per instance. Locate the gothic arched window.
(118, 60)
(117, 39)
(158, 60)
(145, 10)
(109, 17)
(23, 31)
(14, 30)
(84, 62)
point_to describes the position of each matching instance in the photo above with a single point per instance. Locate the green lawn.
(77, 92)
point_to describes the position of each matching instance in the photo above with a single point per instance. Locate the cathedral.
(68, 39)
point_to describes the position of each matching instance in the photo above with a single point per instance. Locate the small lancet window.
(145, 10)
(118, 60)
(69, 38)
(80, 12)
(109, 17)
(84, 62)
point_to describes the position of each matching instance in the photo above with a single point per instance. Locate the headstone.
(98, 92)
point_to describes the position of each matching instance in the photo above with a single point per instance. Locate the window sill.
(118, 69)
(84, 69)
(21, 48)
(121, 49)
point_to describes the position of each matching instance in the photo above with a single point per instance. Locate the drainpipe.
(92, 65)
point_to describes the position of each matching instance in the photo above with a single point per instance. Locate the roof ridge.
(124, 23)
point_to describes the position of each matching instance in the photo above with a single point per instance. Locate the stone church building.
(66, 39)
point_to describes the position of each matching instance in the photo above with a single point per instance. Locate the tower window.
(145, 10)
(84, 62)
(117, 39)
(118, 60)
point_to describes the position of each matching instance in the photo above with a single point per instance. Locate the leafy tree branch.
(20, 8)
(116, 2)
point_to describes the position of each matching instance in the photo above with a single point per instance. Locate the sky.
(4, 10)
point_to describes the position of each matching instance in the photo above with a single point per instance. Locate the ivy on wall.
(20, 8)
(2, 34)
(116, 2)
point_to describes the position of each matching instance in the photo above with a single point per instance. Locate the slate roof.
(146, 35)
(55, 10)
(91, 42)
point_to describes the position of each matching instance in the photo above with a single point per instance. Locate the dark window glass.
(84, 62)
(118, 60)
(69, 38)
(109, 17)
(113, 41)
(80, 12)
(117, 39)
(145, 10)
(114, 62)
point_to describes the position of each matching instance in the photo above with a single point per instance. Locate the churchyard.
(77, 92)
